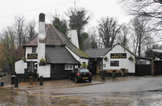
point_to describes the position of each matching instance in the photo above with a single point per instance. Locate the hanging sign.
(32, 56)
(118, 55)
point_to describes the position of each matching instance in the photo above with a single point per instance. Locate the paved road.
(127, 86)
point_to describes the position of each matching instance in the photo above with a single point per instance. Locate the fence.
(142, 70)
(157, 67)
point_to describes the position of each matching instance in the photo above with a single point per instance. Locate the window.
(33, 49)
(114, 63)
(68, 67)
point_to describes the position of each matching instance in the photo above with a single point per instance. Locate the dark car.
(80, 74)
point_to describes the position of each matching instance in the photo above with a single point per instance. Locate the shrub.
(130, 58)
(84, 65)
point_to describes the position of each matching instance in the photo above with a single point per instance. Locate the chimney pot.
(41, 17)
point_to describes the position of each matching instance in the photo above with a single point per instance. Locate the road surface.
(147, 84)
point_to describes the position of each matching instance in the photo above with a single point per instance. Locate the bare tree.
(91, 42)
(141, 35)
(108, 29)
(123, 38)
(30, 29)
(19, 28)
(146, 8)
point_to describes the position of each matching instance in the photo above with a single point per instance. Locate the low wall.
(6, 79)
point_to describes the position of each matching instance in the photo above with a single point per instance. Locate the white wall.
(123, 62)
(41, 51)
(29, 51)
(20, 66)
(44, 71)
(84, 60)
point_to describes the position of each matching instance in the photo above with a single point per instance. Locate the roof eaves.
(82, 55)
(25, 44)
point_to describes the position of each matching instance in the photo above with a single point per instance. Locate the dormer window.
(33, 49)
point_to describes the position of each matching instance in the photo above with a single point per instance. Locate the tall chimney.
(74, 37)
(41, 26)
(41, 37)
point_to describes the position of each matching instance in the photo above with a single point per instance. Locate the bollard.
(2, 83)
(13, 79)
(41, 80)
(114, 74)
(31, 80)
(123, 71)
(103, 75)
(16, 82)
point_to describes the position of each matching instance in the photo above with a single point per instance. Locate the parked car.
(80, 74)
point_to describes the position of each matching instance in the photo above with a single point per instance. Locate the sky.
(31, 9)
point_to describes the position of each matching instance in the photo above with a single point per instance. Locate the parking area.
(66, 83)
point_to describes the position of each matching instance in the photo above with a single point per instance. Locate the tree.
(84, 43)
(108, 29)
(146, 8)
(60, 25)
(2, 57)
(93, 38)
(78, 19)
(123, 38)
(59, 22)
(30, 29)
(141, 35)
(19, 31)
(9, 49)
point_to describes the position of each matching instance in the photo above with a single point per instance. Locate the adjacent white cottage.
(116, 58)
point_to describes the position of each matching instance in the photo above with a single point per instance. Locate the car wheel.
(90, 80)
(69, 77)
(76, 80)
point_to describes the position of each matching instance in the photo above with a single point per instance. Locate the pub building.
(50, 54)
(115, 58)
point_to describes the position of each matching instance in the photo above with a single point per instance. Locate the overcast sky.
(31, 9)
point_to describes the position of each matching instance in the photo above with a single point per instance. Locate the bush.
(130, 58)
(84, 65)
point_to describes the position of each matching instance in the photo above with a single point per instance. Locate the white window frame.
(68, 66)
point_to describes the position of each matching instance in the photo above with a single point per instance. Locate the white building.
(116, 58)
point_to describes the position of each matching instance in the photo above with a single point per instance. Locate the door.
(57, 71)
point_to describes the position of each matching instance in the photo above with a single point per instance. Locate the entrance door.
(57, 70)
(94, 65)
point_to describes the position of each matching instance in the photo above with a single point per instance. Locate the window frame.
(69, 67)
(34, 49)
(114, 63)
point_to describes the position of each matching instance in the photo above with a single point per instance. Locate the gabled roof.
(55, 37)
(126, 49)
(59, 55)
(93, 53)
(71, 46)
(32, 42)
(97, 53)
(156, 50)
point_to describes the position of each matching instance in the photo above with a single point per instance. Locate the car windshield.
(84, 70)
